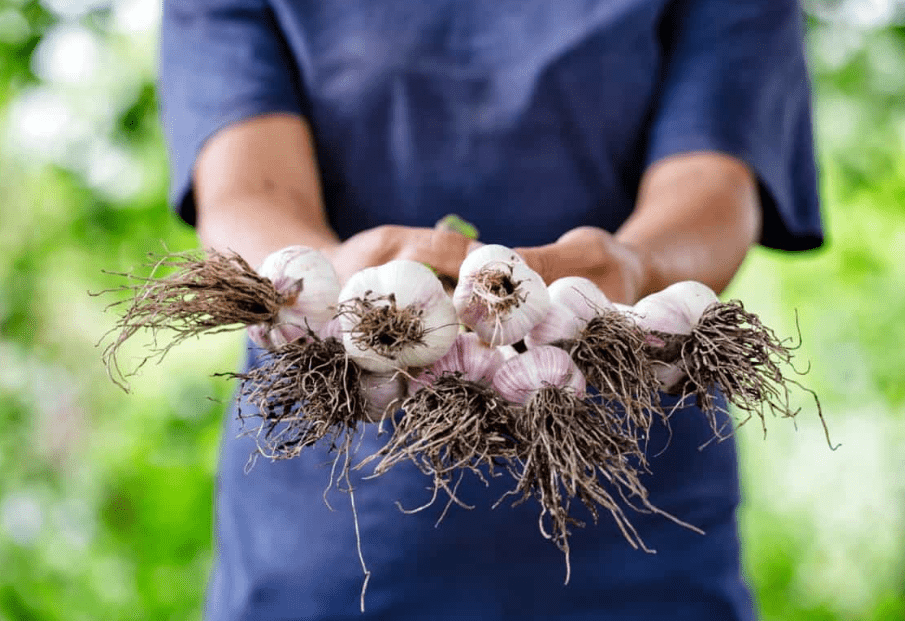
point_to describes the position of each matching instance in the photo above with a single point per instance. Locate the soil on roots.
(610, 352)
(448, 427)
(730, 349)
(208, 293)
(303, 393)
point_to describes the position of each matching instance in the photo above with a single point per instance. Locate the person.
(634, 142)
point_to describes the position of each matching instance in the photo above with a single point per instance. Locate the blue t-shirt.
(528, 118)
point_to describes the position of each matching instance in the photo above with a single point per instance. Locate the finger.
(545, 260)
(447, 250)
(474, 245)
(442, 250)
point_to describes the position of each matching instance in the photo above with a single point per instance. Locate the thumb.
(472, 246)
(544, 260)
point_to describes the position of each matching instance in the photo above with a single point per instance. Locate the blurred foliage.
(106, 498)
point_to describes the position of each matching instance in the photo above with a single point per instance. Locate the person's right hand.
(442, 250)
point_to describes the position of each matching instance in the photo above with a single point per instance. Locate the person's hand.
(442, 250)
(618, 269)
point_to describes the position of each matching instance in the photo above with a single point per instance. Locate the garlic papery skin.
(676, 309)
(486, 254)
(579, 295)
(692, 297)
(382, 391)
(659, 313)
(559, 324)
(331, 329)
(498, 296)
(669, 375)
(469, 357)
(522, 376)
(409, 296)
(310, 286)
(508, 352)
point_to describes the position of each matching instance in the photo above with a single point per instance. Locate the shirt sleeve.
(735, 81)
(221, 61)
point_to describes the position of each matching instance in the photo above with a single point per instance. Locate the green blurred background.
(105, 498)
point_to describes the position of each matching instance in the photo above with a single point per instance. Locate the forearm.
(254, 225)
(696, 217)
(257, 189)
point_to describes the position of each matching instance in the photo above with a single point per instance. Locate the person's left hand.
(618, 269)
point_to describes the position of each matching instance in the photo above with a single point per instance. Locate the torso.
(525, 117)
(528, 119)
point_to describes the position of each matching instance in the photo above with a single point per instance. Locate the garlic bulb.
(693, 297)
(579, 295)
(310, 286)
(499, 296)
(520, 377)
(676, 309)
(559, 324)
(396, 315)
(473, 360)
(331, 329)
(658, 313)
(508, 351)
(668, 375)
(383, 393)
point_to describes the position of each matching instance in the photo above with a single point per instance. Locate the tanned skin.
(697, 215)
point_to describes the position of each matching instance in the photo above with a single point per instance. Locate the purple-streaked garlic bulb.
(332, 329)
(574, 302)
(559, 324)
(522, 376)
(469, 358)
(310, 287)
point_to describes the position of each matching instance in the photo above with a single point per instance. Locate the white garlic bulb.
(579, 295)
(694, 298)
(659, 313)
(559, 324)
(676, 309)
(308, 281)
(417, 317)
(499, 296)
(522, 376)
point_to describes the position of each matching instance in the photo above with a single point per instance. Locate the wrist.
(642, 269)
